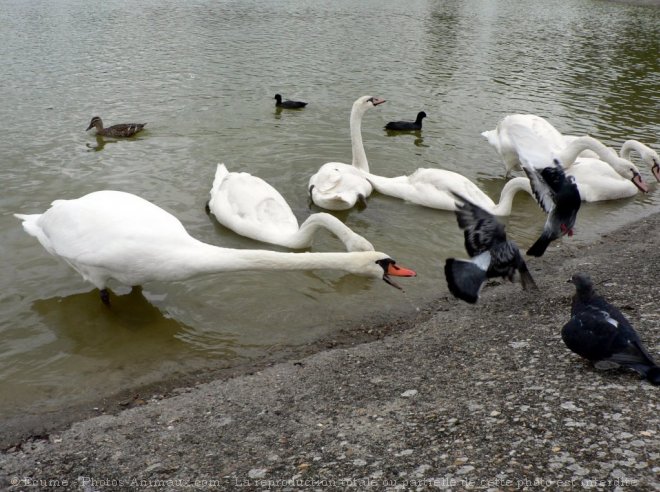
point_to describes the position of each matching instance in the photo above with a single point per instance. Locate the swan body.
(251, 207)
(339, 186)
(436, 188)
(115, 235)
(518, 134)
(596, 181)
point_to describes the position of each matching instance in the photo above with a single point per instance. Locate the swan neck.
(205, 259)
(628, 147)
(508, 193)
(359, 156)
(573, 150)
(397, 187)
(305, 235)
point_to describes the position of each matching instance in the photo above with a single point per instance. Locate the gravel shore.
(483, 397)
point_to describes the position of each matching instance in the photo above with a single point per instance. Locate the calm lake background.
(203, 74)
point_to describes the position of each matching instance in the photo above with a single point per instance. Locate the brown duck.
(121, 130)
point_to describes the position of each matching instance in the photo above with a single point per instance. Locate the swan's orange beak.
(377, 101)
(640, 183)
(656, 171)
(396, 271)
(393, 270)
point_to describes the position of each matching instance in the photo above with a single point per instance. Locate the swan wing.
(250, 206)
(338, 186)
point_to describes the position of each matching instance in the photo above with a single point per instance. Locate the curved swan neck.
(304, 236)
(359, 156)
(633, 145)
(202, 258)
(571, 152)
(509, 191)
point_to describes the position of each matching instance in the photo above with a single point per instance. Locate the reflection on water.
(204, 78)
(91, 349)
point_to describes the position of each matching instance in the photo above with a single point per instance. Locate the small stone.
(409, 393)
(257, 473)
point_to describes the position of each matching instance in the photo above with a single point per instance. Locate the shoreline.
(480, 395)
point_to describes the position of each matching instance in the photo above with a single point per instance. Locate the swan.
(251, 207)
(339, 186)
(516, 134)
(647, 154)
(435, 188)
(116, 235)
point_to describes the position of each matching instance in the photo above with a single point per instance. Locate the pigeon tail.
(526, 278)
(541, 244)
(653, 375)
(464, 279)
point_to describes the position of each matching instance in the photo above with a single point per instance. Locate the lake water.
(203, 75)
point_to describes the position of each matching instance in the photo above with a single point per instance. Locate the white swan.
(516, 134)
(435, 188)
(115, 235)
(649, 156)
(339, 186)
(251, 207)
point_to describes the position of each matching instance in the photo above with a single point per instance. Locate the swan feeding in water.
(116, 235)
(251, 207)
(604, 177)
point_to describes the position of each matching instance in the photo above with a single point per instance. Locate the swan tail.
(464, 279)
(220, 174)
(538, 248)
(30, 223)
(491, 136)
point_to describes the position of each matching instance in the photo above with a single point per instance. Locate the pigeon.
(555, 192)
(558, 195)
(493, 255)
(600, 333)
(407, 126)
(288, 104)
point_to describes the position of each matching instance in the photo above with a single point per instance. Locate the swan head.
(650, 158)
(629, 171)
(387, 268)
(366, 102)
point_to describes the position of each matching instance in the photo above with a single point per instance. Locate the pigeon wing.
(481, 229)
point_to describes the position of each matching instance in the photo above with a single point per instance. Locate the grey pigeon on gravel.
(600, 333)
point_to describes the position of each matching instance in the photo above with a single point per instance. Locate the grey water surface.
(203, 74)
